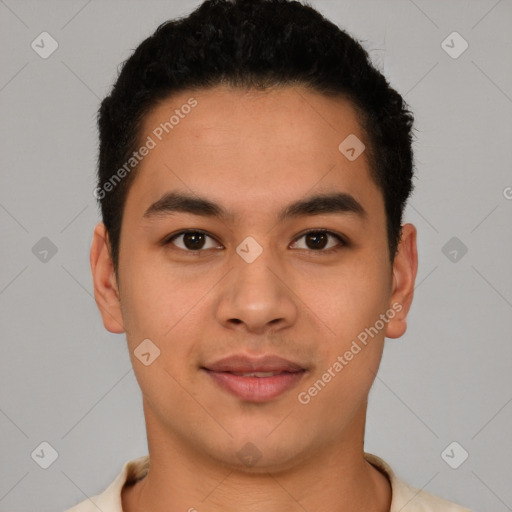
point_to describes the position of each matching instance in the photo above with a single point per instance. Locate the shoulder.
(406, 498)
(110, 499)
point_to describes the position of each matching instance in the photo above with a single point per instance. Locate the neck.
(333, 479)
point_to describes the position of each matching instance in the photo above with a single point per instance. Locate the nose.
(256, 296)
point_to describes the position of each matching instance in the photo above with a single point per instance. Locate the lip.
(287, 375)
(245, 363)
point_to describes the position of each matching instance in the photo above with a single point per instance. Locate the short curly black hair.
(255, 44)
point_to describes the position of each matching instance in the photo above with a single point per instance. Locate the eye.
(318, 241)
(194, 241)
(191, 240)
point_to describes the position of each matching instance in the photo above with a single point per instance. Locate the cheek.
(166, 307)
(352, 299)
(154, 298)
(350, 306)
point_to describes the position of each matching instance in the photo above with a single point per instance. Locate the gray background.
(67, 381)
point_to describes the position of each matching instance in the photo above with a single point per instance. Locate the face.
(269, 291)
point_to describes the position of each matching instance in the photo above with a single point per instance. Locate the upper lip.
(245, 363)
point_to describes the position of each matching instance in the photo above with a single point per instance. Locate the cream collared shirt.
(404, 497)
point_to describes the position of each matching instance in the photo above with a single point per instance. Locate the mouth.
(255, 379)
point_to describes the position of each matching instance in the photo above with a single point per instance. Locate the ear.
(106, 291)
(405, 267)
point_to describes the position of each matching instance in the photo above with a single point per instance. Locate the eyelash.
(343, 242)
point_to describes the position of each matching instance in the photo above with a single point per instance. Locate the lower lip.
(256, 389)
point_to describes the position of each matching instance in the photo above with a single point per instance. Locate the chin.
(258, 452)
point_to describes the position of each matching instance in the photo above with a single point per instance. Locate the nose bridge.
(255, 294)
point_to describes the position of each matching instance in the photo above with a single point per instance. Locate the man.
(253, 172)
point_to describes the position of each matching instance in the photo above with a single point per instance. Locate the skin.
(254, 153)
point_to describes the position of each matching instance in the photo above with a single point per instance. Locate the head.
(259, 45)
(244, 106)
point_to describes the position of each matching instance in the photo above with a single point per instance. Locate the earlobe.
(106, 292)
(405, 267)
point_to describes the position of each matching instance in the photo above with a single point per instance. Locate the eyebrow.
(335, 203)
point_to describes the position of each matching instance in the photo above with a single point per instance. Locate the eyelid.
(343, 242)
(320, 230)
(170, 238)
(341, 239)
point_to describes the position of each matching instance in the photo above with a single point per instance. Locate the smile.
(256, 386)
(255, 379)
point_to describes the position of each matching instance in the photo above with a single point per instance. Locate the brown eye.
(319, 241)
(316, 240)
(192, 241)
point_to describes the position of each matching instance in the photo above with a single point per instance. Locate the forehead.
(238, 144)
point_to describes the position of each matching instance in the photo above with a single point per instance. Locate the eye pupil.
(193, 241)
(319, 240)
